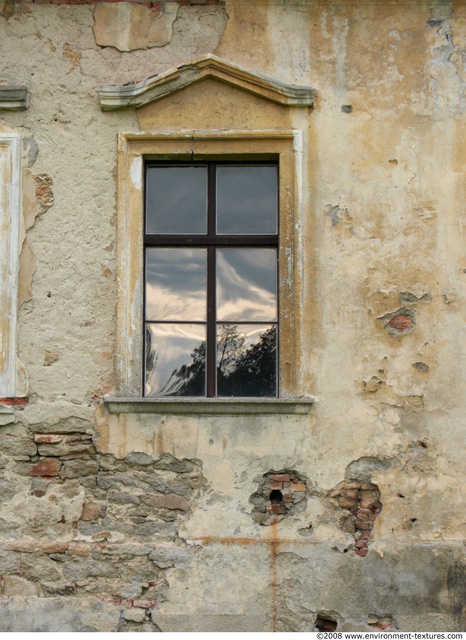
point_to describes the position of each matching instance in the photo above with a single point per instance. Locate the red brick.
(298, 487)
(364, 525)
(367, 486)
(48, 467)
(145, 604)
(401, 323)
(14, 402)
(49, 438)
(277, 486)
(281, 477)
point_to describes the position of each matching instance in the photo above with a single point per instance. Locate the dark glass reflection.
(247, 284)
(246, 200)
(246, 360)
(176, 281)
(176, 200)
(175, 360)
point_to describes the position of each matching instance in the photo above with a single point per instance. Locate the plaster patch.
(133, 26)
(136, 173)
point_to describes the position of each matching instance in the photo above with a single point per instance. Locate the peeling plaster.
(136, 173)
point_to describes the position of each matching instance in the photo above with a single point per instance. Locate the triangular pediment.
(154, 88)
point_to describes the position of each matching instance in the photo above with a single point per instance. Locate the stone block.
(58, 615)
(91, 511)
(67, 425)
(134, 615)
(65, 448)
(15, 586)
(166, 501)
(13, 446)
(79, 468)
(49, 467)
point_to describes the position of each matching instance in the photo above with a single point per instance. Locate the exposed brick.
(48, 467)
(14, 402)
(347, 486)
(48, 438)
(276, 486)
(371, 496)
(347, 502)
(145, 604)
(367, 486)
(281, 477)
(298, 487)
(401, 323)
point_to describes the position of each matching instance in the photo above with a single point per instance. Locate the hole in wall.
(279, 493)
(276, 496)
(325, 623)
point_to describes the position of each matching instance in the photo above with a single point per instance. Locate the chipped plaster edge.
(10, 222)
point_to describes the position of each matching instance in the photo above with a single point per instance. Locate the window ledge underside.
(210, 406)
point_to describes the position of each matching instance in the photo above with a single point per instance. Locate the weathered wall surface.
(149, 521)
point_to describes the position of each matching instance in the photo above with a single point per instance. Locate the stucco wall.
(112, 521)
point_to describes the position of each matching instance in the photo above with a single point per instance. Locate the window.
(213, 150)
(211, 274)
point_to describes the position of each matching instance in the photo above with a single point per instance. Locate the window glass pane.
(246, 360)
(176, 281)
(176, 200)
(175, 360)
(246, 200)
(247, 284)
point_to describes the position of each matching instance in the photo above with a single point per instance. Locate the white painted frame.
(10, 217)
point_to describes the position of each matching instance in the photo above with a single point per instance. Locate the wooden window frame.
(211, 240)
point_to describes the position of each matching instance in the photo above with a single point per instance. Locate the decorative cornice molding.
(14, 97)
(156, 87)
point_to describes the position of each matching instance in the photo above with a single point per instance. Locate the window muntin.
(213, 336)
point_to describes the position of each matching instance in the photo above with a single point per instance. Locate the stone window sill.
(208, 406)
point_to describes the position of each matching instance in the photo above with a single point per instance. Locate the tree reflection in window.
(244, 368)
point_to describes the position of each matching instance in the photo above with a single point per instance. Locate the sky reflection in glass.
(246, 200)
(176, 200)
(247, 284)
(176, 281)
(175, 360)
